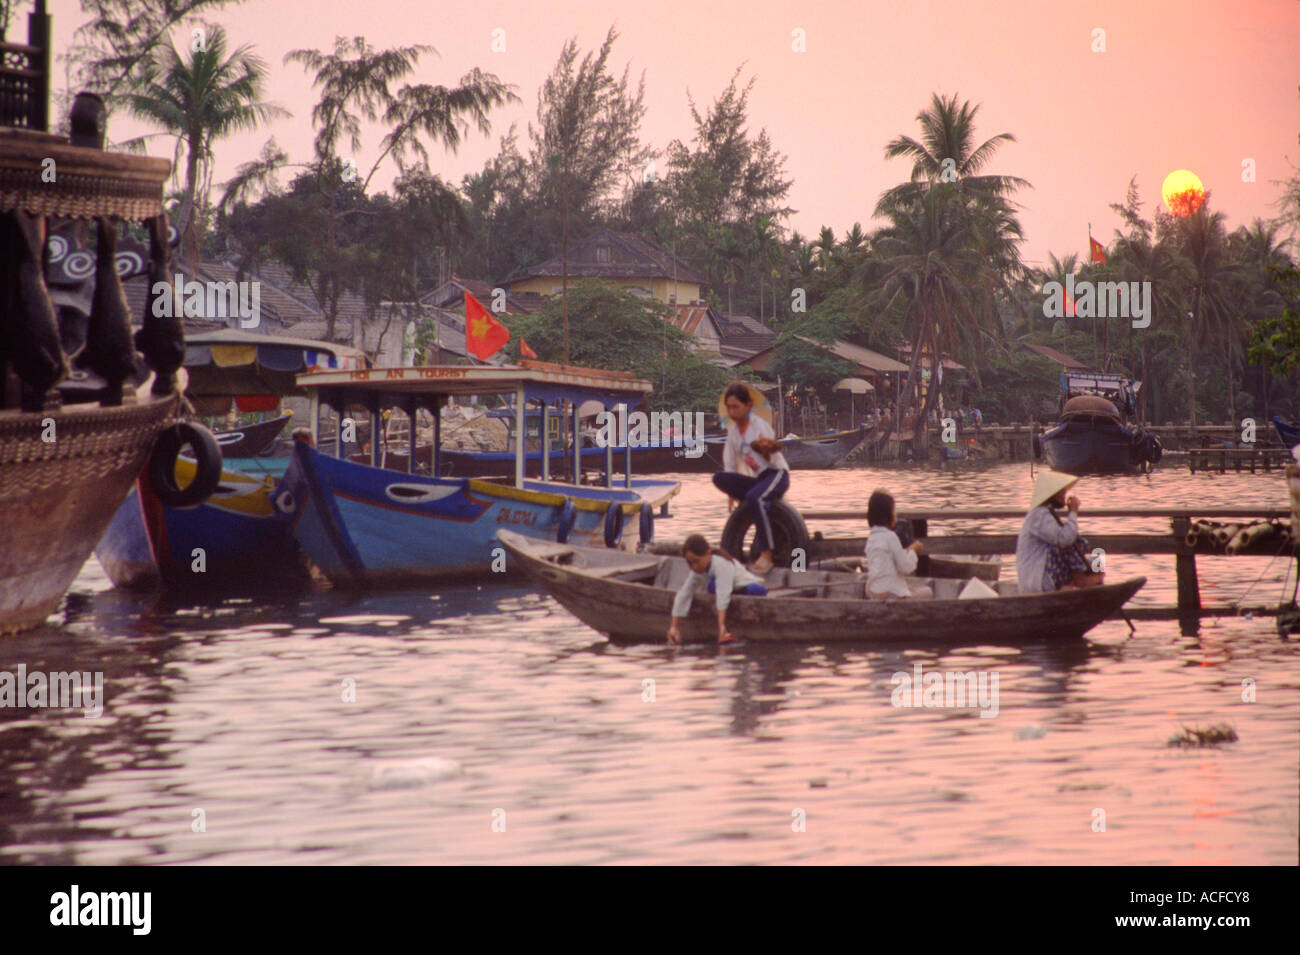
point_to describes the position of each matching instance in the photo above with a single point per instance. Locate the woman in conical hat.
(1050, 554)
(754, 469)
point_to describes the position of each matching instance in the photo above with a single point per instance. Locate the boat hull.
(237, 541)
(1083, 448)
(629, 611)
(59, 496)
(374, 527)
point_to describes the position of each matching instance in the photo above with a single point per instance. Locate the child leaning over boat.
(887, 558)
(725, 576)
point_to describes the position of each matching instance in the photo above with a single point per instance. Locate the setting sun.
(1182, 192)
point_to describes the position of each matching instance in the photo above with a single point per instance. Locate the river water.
(489, 726)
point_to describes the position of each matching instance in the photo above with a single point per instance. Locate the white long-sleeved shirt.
(887, 561)
(738, 454)
(727, 576)
(1038, 536)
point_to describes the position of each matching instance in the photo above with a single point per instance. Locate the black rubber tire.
(613, 524)
(162, 465)
(787, 528)
(647, 528)
(564, 526)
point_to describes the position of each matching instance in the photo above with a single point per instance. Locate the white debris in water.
(412, 773)
(1030, 732)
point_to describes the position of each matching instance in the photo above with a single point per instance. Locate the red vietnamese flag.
(484, 335)
(525, 351)
(1098, 253)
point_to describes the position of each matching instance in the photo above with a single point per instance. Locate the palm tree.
(201, 98)
(1204, 243)
(931, 267)
(766, 253)
(948, 133)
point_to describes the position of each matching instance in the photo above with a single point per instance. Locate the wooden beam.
(1018, 513)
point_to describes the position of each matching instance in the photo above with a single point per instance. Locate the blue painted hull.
(371, 526)
(241, 544)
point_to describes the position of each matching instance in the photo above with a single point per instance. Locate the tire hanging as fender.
(613, 524)
(564, 526)
(162, 465)
(647, 527)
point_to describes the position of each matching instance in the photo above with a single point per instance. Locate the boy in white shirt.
(887, 559)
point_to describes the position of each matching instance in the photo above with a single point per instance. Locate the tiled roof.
(451, 293)
(609, 254)
(1056, 356)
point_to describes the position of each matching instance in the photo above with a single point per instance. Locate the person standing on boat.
(725, 576)
(754, 469)
(1050, 554)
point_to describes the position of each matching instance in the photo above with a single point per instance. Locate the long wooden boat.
(364, 525)
(629, 597)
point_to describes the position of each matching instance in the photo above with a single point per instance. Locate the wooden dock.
(1238, 459)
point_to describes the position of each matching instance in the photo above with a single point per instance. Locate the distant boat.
(364, 525)
(629, 597)
(1092, 436)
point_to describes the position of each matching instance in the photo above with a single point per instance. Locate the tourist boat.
(629, 597)
(1092, 436)
(240, 538)
(365, 525)
(812, 453)
(68, 455)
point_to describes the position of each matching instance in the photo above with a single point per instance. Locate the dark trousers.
(759, 493)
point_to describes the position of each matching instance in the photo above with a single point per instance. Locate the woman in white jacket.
(754, 469)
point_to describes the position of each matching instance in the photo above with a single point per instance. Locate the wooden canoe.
(629, 597)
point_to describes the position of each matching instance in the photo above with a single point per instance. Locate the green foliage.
(611, 328)
(1275, 341)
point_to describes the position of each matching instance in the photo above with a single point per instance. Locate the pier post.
(1189, 587)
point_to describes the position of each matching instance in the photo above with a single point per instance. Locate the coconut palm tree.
(945, 150)
(931, 268)
(200, 97)
(1203, 241)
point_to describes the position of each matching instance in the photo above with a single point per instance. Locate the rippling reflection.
(472, 700)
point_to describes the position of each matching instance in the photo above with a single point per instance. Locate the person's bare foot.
(727, 638)
(763, 564)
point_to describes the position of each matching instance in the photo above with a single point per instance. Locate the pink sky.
(1197, 85)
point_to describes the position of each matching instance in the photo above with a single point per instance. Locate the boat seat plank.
(619, 570)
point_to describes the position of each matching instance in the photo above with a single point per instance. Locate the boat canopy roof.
(229, 363)
(539, 381)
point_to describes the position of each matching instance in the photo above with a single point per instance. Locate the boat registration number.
(508, 516)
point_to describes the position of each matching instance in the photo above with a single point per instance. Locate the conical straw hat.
(1048, 485)
(761, 406)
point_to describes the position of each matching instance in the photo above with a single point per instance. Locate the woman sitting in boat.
(754, 469)
(1050, 554)
(725, 576)
(887, 558)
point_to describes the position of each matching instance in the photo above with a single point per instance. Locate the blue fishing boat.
(241, 538)
(1092, 436)
(364, 525)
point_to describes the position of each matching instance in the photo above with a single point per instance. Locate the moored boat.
(629, 597)
(1092, 436)
(364, 525)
